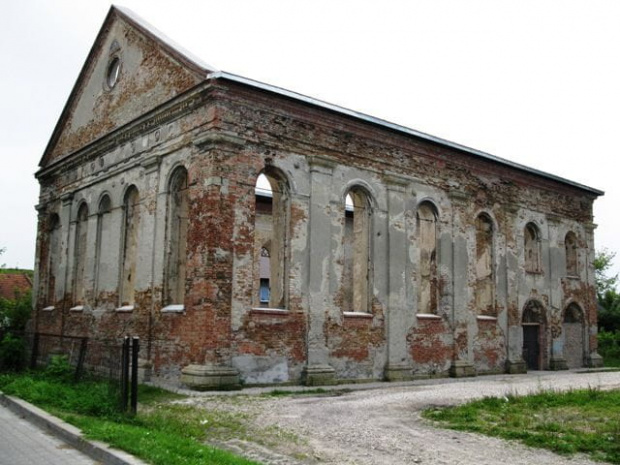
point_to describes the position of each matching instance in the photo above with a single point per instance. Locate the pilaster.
(461, 358)
(399, 317)
(317, 370)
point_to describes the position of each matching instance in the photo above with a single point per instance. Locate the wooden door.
(531, 346)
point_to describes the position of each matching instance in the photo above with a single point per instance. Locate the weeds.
(163, 433)
(585, 421)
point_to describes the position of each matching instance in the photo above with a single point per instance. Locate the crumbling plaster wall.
(225, 144)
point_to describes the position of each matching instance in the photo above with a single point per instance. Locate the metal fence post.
(124, 374)
(134, 374)
(79, 369)
(35, 351)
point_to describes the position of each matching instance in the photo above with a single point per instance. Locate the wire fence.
(114, 360)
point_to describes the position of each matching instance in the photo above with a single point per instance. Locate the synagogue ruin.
(251, 235)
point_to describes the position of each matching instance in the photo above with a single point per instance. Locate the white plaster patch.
(261, 370)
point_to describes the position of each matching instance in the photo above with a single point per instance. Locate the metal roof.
(395, 127)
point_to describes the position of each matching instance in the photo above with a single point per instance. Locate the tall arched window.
(484, 266)
(357, 266)
(176, 237)
(570, 247)
(426, 219)
(53, 258)
(81, 244)
(131, 224)
(532, 248)
(103, 232)
(271, 227)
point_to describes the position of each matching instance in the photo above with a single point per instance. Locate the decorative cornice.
(66, 199)
(221, 139)
(321, 164)
(590, 227)
(511, 208)
(458, 197)
(396, 182)
(166, 113)
(150, 164)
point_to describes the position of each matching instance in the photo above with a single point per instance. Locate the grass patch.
(611, 361)
(581, 421)
(163, 433)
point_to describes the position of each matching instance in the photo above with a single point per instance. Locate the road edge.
(96, 450)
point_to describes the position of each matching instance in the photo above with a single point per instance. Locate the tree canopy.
(606, 292)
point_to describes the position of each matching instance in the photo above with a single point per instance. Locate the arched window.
(356, 273)
(53, 258)
(103, 233)
(131, 224)
(176, 237)
(426, 219)
(570, 247)
(81, 244)
(532, 248)
(271, 227)
(484, 266)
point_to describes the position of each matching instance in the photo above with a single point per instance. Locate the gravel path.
(382, 425)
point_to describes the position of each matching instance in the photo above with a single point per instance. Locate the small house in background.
(13, 285)
(250, 234)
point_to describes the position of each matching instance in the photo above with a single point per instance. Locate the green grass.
(163, 432)
(611, 361)
(582, 421)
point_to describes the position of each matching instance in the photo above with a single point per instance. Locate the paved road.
(22, 443)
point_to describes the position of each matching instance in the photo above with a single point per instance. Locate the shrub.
(59, 368)
(15, 313)
(609, 347)
(12, 353)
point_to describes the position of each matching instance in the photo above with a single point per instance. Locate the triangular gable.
(131, 69)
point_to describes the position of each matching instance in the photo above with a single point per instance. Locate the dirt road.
(381, 424)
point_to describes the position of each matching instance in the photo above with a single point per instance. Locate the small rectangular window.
(264, 292)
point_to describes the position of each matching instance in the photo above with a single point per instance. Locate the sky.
(534, 82)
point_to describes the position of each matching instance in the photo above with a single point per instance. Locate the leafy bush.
(609, 311)
(609, 347)
(59, 368)
(12, 353)
(14, 314)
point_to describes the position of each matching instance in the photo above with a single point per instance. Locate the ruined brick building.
(249, 233)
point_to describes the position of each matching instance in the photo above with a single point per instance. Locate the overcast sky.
(535, 82)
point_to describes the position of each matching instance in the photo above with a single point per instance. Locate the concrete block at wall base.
(557, 364)
(462, 369)
(318, 375)
(210, 377)
(595, 360)
(516, 367)
(395, 372)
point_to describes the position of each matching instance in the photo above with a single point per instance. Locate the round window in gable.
(113, 72)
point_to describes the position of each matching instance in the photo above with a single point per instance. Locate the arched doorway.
(572, 327)
(534, 337)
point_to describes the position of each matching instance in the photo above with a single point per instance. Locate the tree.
(602, 263)
(606, 293)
